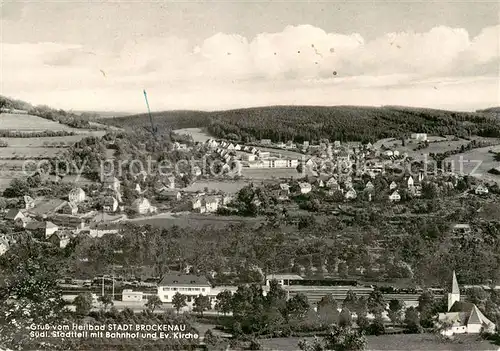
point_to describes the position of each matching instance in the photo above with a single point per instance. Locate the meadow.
(19, 150)
(229, 187)
(9, 121)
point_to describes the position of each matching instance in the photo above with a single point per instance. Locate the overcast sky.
(99, 55)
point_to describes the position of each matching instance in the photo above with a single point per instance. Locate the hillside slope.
(345, 123)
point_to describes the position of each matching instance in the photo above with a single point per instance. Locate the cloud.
(298, 60)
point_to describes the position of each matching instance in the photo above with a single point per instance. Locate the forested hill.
(163, 120)
(345, 123)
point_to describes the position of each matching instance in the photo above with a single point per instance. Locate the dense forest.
(344, 123)
(164, 121)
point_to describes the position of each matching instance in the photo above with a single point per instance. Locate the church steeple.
(454, 296)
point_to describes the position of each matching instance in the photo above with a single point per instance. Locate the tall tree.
(396, 310)
(223, 303)
(179, 301)
(201, 304)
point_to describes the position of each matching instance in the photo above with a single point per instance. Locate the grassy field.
(229, 187)
(10, 121)
(47, 141)
(27, 152)
(437, 144)
(270, 173)
(401, 342)
(19, 150)
(197, 221)
(480, 158)
(198, 134)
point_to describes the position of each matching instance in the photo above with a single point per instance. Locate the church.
(463, 317)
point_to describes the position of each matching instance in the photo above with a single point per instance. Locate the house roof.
(283, 276)
(178, 279)
(45, 206)
(40, 225)
(12, 213)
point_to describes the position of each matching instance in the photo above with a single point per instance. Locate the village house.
(138, 189)
(263, 154)
(142, 206)
(463, 317)
(110, 182)
(351, 194)
(14, 214)
(60, 239)
(265, 141)
(209, 204)
(196, 171)
(248, 157)
(4, 246)
(28, 202)
(43, 229)
(70, 208)
(109, 204)
(332, 183)
(395, 197)
(128, 295)
(393, 186)
(169, 182)
(170, 194)
(481, 190)
(419, 136)
(410, 182)
(189, 285)
(369, 186)
(76, 195)
(305, 188)
(462, 229)
(22, 222)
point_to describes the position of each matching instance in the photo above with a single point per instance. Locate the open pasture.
(9, 121)
(48, 141)
(27, 152)
(476, 162)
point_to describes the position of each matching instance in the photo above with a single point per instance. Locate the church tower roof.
(454, 286)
